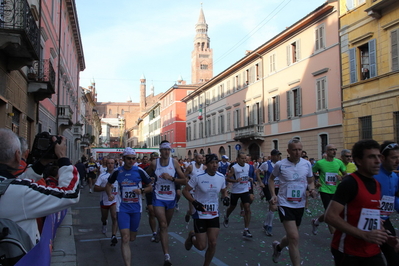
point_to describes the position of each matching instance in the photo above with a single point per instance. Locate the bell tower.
(202, 55)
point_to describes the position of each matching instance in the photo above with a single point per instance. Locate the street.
(93, 247)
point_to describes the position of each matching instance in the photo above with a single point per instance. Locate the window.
(110, 112)
(122, 112)
(203, 66)
(321, 93)
(256, 114)
(195, 131)
(221, 124)
(208, 128)
(365, 127)
(214, 125)
(247, 74)
(351, 4)
(274, 108)
(320, 37)
(237, 118)
(323, 143)
(188, 133)
(228, 121)
(237, 82)
(201, 130)
(367, 62)
(396, 126)
(257, 72)
(275, 144)
(15, 120)
(221, 87)
(273, 63)
(228, 87)
(395, 49)
(293, 52)
(294, 102)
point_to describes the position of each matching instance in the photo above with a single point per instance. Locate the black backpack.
(14, 241)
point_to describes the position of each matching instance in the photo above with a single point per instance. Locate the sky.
(126, 39)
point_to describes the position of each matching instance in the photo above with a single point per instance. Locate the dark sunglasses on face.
(130, 158)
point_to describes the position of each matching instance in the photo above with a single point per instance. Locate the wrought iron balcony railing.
(253, 131)
(16, 16)
(42, 71)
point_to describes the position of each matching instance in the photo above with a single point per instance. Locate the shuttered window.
(395, 49)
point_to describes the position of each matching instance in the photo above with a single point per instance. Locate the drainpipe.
(59, 70)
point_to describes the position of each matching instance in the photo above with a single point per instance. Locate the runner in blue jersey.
(130, 179)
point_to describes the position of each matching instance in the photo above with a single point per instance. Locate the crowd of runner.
(359, 191)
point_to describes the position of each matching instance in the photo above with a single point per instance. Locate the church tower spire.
(202, 55)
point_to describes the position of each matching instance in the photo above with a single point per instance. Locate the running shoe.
(268, 231)
(276, 254)
(114, 240)
(167, 263)
(226, 221)
(177, 207)
(154, 237)
(104, 229)
(247, 234)
(189, 241)
(308, 211)
(314, 226)
(91, 191)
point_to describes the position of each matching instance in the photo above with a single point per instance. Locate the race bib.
(331, 179)
(114, 190)
(244, 180)
(294, 193)
(387, 206)
(369, 220)
(128, 195)
(211, 211)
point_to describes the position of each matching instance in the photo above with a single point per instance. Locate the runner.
(295, 175)
(206, 217)
(130, 179)
(194, 169)
(331, 170)
(223, 165)
(239, 176)
(167, 173)
(389, 188)
(150, 208)
(106, 205)
(92, 170)
(267, 168)
(355, 211)
(346, 158)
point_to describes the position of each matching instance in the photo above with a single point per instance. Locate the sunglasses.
(130, 158)
(390, 147)
(348, 156)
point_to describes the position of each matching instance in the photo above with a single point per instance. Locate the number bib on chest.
(128, 195)
(387, 204)
(369, 219)
(165, 190)
(331, 179)
(114, 190)
(276, 183)
(211, 211)
(294, 193)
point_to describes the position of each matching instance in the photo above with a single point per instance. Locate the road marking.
(215, 260)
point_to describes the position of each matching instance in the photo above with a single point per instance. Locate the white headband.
(165, 145)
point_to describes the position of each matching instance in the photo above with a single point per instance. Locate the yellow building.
(369, 35)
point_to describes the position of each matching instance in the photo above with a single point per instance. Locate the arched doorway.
(195, 152)
(254, 151)
(189, 155)
(222, 151)
(202, 152)
(209, 151)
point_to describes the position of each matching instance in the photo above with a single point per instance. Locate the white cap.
(129, 151)
(225, 157)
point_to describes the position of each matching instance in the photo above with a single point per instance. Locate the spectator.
(24, 200)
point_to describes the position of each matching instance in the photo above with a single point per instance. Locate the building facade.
(40, 60)
(369, 35)
(289, 87)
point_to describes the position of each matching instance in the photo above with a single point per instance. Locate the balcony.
(64, 117)
(85, 141)
(19, 34)
(41, 80)
(247, 133)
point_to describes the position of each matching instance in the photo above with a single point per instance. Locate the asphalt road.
(93, 247)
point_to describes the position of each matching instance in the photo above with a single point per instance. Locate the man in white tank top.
(167, 172)
(239, 176)
(194, 169)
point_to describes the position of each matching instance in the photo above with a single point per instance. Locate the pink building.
(289, 87)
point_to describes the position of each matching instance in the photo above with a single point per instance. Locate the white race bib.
(331, 179)
(369, 220)
(128, 195)
(294, 193)
(387, 206)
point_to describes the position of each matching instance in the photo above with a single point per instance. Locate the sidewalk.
(64, 249)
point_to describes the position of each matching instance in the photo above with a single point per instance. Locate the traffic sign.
(172, 150)
(238, 147)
